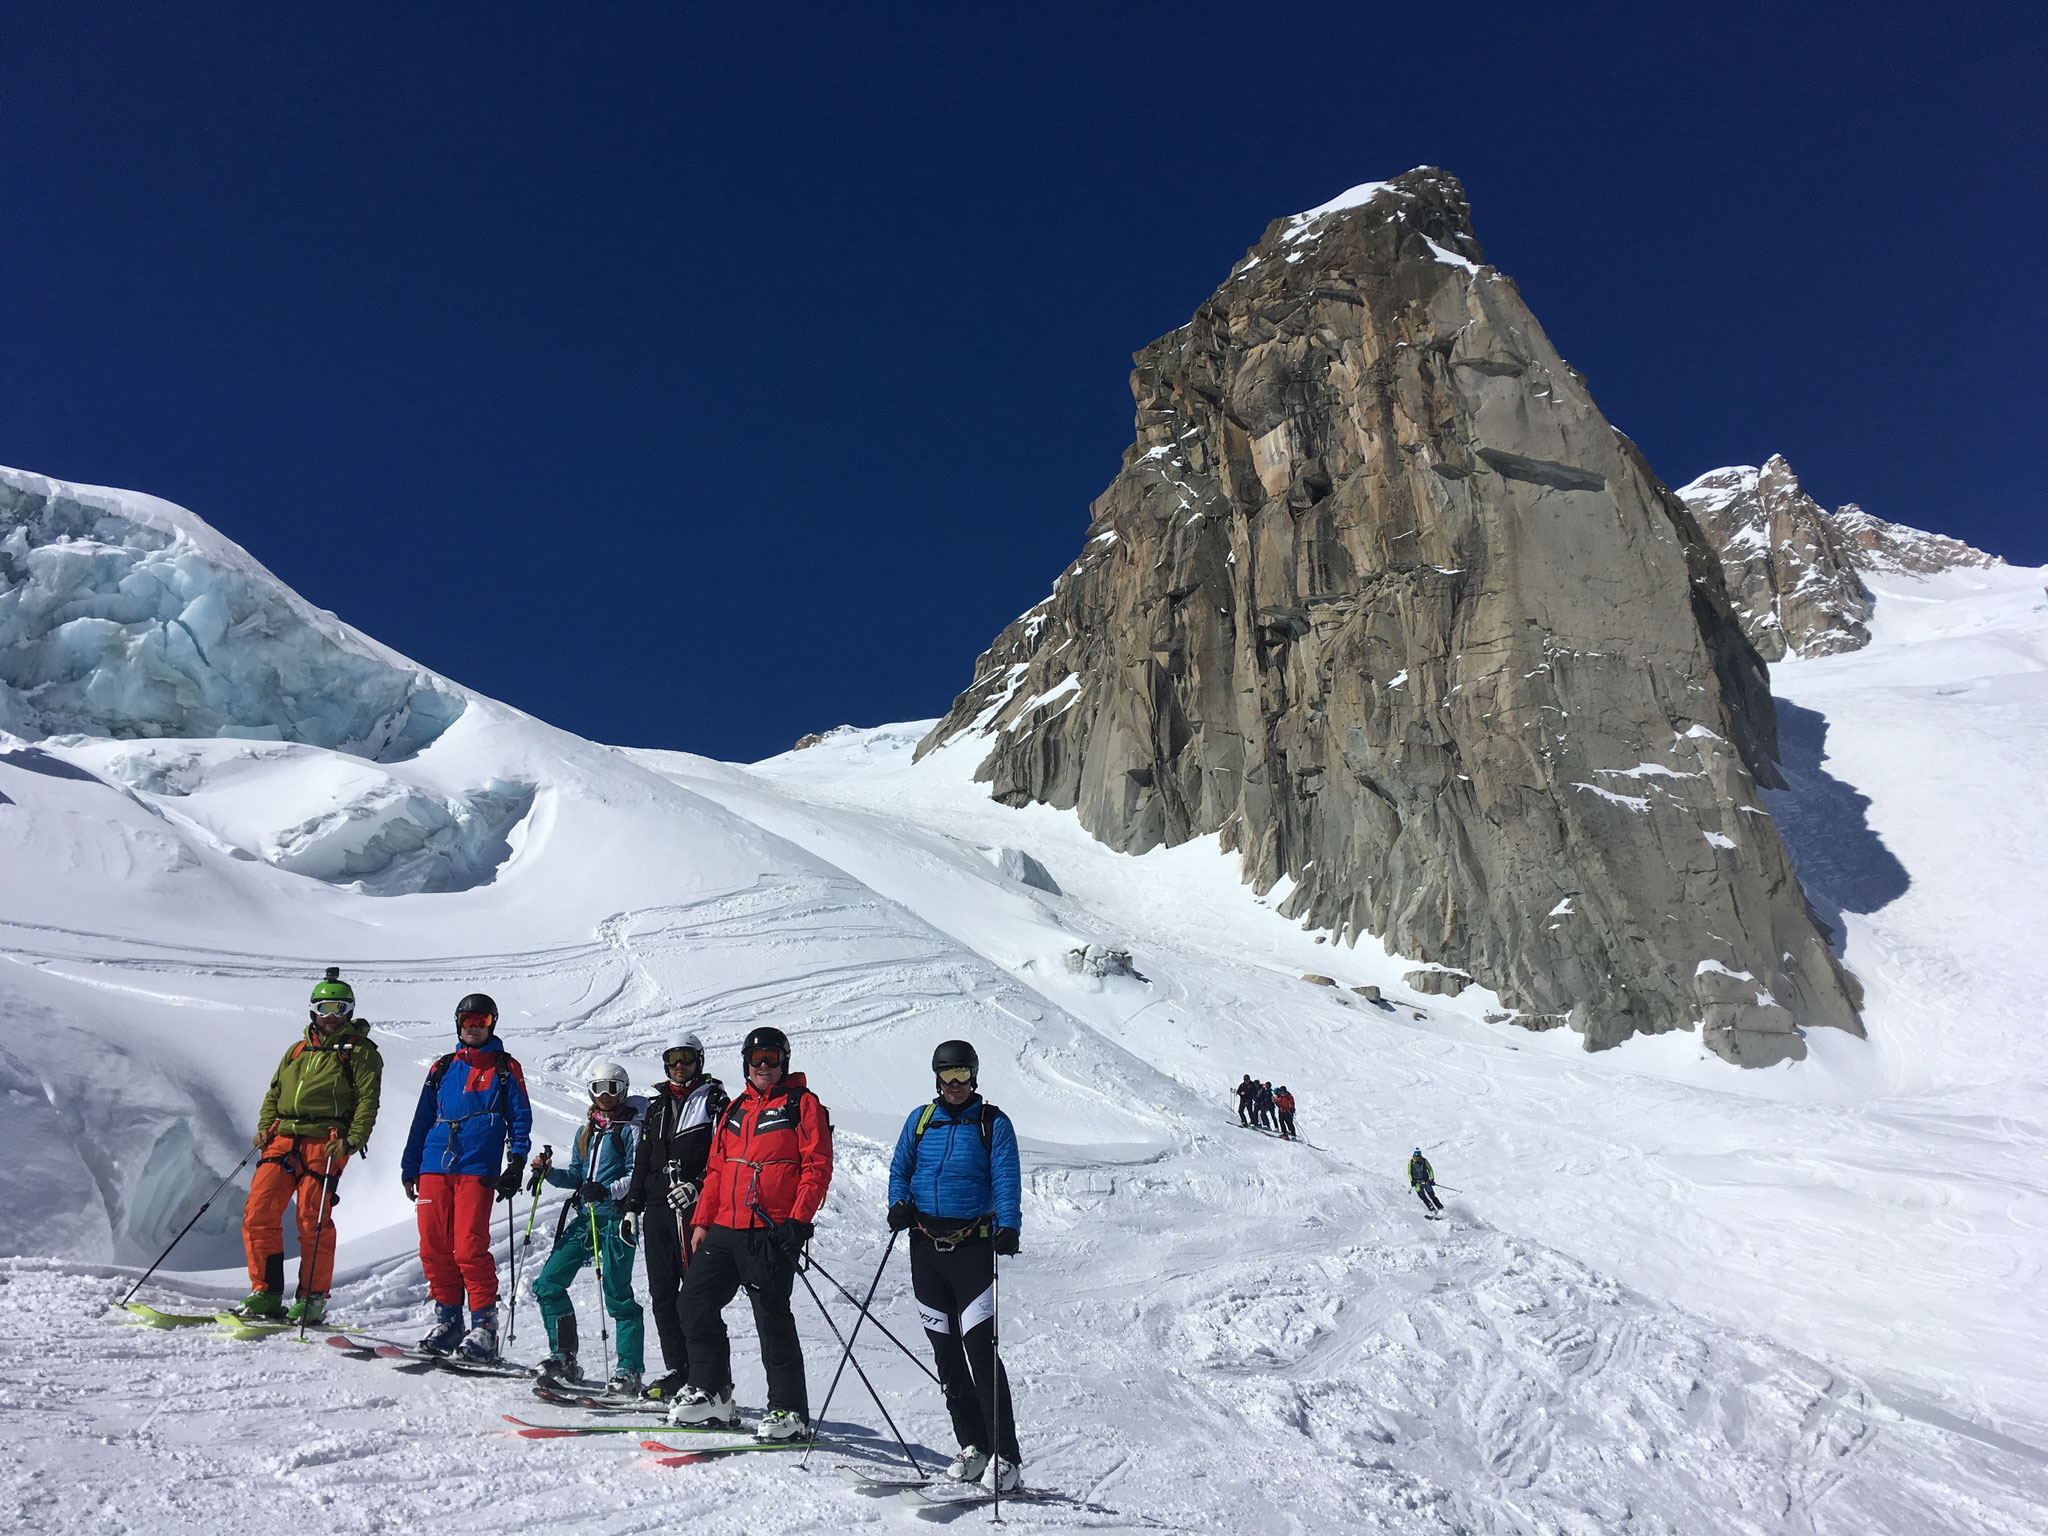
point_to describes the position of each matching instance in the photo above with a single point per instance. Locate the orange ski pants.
(292, 1166)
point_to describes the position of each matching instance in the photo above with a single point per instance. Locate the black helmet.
(477, 1002)
(766, 1038)
(956, 1053)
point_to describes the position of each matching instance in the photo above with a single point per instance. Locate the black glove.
(510, 1179)
(902, 1216)
(792, 1235)
(590, 1192)
(1006, 1241)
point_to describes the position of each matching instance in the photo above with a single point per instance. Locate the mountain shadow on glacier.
(1841, 862)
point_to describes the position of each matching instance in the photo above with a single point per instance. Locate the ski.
(532, 1431)
(680, 1456)
(868, 1482)
(149, 1317)
(240, 1326)
(455, 1365)
(593, 1401)
(933, 1505)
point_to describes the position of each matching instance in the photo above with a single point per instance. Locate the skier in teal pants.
(599, 1173)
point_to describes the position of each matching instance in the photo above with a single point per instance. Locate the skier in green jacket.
(1422, 1179)
(318, 1113)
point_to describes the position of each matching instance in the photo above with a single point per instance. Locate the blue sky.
(698, 377)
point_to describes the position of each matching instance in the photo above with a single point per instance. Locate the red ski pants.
(454, 1211)
(292, 1166)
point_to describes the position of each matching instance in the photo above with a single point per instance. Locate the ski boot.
(447, 1330)
(308, 1311)
(668, 1388)
(480, 1344)
(968, 1466)
(781, 1424)
(696, 1406)
(624, 1383)
(1008, 1477)
(560, 1370)
(261, 1304)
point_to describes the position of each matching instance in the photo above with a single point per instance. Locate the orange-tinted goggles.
(763, 1059)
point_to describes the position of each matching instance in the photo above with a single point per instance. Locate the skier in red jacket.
(769, 1167)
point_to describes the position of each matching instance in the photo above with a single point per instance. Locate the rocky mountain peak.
(1894, 549)
(1382, 599)
(1792, 570)
(1790, 575)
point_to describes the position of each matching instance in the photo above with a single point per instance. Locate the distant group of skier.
(1266, 1108)
(720, 1192)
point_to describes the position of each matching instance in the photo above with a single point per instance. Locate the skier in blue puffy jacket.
(954, 1185)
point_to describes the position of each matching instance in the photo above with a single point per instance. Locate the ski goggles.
(681, 1056)
(956, 1074)
(334, 1007)
(614, 1087)
(474, 1021)
(764, 1059)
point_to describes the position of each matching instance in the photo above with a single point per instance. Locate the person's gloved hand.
(629, 1226)
(590, 1192)
(510, 1180)
(1006, 1241)
(902, 1216)
(412, 1189)
(538, 1175)
(792, 1235)
(682, 1197)
(263, 1135)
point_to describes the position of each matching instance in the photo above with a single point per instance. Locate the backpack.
(988, 1125)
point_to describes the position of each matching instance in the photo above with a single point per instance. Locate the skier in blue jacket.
(472, 1115)
(600, 1172)
(954, 1185)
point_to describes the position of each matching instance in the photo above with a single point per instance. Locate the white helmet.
(607, 1076)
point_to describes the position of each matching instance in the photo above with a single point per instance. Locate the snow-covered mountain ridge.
(1672, 1298)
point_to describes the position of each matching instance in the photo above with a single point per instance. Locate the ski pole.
(854, 1334)
(327, 1182)
(604, 1331)
(223, 1184)
(915, 1360)
(545, 1161)
(512, 1262)
(995, 1386)
(816, 1427)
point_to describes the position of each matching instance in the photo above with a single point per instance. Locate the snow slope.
(1673, 1297)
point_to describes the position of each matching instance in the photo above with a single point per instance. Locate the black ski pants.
(661, 1241)
(726, 1260)
(955, 1290)
(1244, 1110)
(1287, 1123)
(1427, 1192)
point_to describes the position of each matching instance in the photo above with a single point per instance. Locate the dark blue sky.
(700, 377)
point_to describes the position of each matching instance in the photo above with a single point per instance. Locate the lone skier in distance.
(765, 1178)
(318, 1112)
(600, 1173)
(955, 1186)
(1422, 1179)
(675, 1139)
(473, 1110)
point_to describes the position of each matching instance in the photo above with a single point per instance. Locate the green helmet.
(332, 989)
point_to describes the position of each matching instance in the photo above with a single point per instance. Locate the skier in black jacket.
(675, 1136)
(1246, 1092)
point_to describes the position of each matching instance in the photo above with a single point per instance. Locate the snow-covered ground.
(1673, 1297)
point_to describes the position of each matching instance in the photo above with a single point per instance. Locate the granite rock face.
(1790, 572)
(1381, 597)
(1893, 549)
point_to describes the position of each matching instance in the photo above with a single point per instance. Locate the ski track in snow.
(1670, 1298)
